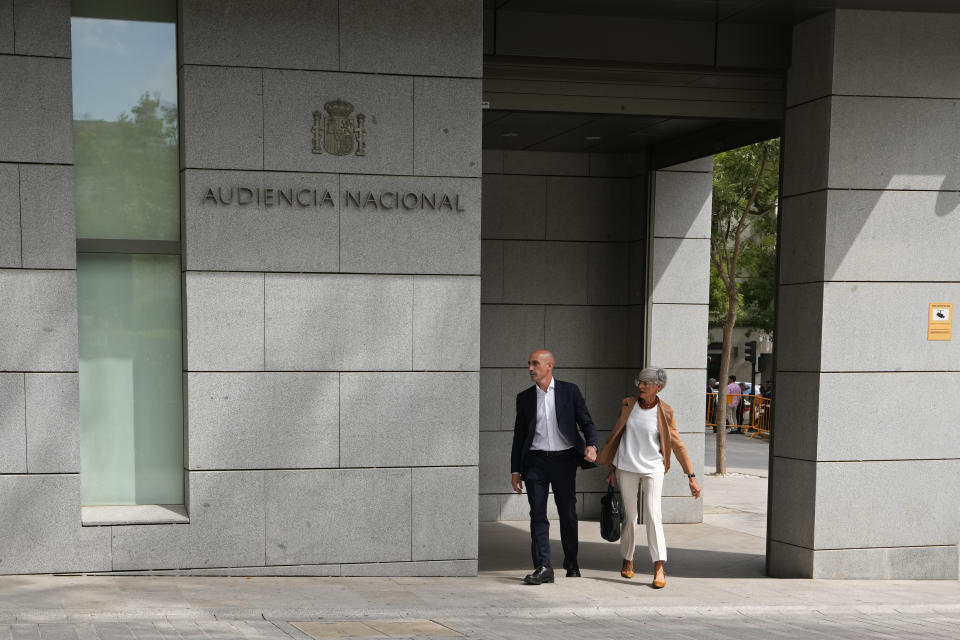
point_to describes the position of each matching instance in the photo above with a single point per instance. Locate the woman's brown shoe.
(627, 569)
(659, 583)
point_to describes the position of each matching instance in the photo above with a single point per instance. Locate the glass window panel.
(131, 407)
(125, 129)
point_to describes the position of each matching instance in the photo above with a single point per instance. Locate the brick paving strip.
(666, 624)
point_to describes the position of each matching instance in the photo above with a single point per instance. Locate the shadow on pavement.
(694, 551)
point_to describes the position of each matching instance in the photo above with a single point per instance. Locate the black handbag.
(611, 515)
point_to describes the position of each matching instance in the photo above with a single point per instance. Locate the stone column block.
(852, 510)
(509, 333)
(491, 270)
(446, 127)
(412, 37)
(408, 419)
(794, 513)
(813, 42)
(13, 421)
(490, 399)
(545, 272)
(796, 414)
(231, 417)
(800, 327)
(678, 268)
(10, 217)
(604, 392)
(260, 230)
(492, 161)
(513, 381)
(440, 217)
(446, 323)
(48, 222)
(608, 273)
(36, 109)
(514, 207)
(494, 467)
(891, 563)
(38, 319)
(859, 223)
(445, 522)
(896, 54)
(806, 147)
(293, 34)
(897, 314)
(546, 163)
(863, 420)
(53, 423)
(672, 326)
(224, 321)
(599, 209)
(879, 143)
(803, 237)
(684, 202)
(686, 393)
(6, 27)
(307, 512)
(290, 99)
(221, 118)
(581, 336)
(355, 322)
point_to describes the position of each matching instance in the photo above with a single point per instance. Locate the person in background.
(733, 403)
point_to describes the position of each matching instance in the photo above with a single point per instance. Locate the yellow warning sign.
(940, 321)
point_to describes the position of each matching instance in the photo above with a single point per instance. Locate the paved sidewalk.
(716, 589)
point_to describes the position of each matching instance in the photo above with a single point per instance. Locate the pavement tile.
(114, 631)
(25, 632)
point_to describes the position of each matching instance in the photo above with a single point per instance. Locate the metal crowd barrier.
(753, 413)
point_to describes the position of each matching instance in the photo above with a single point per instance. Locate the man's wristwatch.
(691, 475)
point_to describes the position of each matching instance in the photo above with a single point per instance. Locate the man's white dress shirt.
(547, 436)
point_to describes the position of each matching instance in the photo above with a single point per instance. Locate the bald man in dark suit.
(552, 436)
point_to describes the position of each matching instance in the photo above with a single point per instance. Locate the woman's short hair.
(652, 374)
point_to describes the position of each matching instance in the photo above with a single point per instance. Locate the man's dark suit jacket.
(571, 412)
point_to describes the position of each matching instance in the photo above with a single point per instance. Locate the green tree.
(743, 239)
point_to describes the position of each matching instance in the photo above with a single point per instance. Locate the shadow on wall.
(680, 213)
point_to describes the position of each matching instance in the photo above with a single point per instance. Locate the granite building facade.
(373, 224)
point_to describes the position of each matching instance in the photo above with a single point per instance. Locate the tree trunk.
(722, 384)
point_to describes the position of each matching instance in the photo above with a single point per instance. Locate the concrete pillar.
(679, 297)
(866, 468)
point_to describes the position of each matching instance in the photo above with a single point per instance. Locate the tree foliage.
(742, 251)
(751, 274)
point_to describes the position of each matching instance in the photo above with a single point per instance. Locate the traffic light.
(750, 351)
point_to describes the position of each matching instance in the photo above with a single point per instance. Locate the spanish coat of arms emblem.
(337, 132)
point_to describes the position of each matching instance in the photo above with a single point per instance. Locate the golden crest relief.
(336, 133)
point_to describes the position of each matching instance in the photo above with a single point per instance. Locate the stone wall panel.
(232, 415)
(414, 422)
(38, 320)
(338, 322)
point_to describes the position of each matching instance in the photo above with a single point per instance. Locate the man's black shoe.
(541, 575)
(573, 571)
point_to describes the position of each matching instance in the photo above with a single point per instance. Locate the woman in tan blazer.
(638, 454)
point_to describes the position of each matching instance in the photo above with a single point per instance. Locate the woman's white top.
(639, 449)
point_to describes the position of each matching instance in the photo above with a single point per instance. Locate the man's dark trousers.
(542, 469)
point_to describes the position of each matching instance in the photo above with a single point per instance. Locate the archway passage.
(638, 96)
